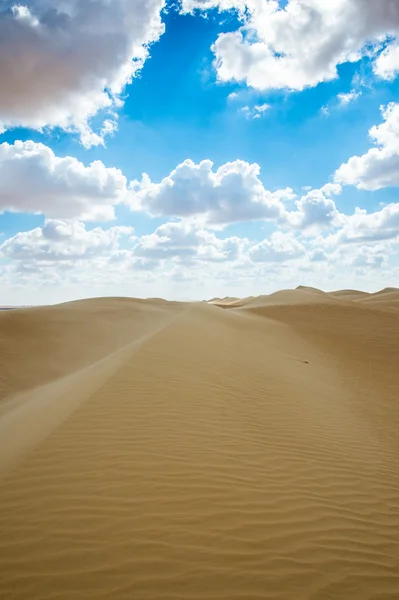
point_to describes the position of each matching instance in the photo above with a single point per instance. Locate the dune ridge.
(236, 449)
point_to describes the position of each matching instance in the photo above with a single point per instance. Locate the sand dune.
(353, 295)
(227, 300)
(238, 449)
(301, 296)
(387, 299)
(50, 342)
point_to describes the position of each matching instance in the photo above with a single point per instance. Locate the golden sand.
(238, 449)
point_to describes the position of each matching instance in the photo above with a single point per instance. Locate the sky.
(199, 148)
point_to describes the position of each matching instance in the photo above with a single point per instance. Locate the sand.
(237, 449)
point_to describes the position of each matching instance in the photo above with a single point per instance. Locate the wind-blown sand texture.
(237, 449)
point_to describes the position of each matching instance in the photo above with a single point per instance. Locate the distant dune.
(236, 449)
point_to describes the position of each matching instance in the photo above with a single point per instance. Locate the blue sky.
(211, 87)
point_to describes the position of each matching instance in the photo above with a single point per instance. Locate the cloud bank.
(64, 62)
(302, 43)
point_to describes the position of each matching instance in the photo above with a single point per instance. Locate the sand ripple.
(243, 453)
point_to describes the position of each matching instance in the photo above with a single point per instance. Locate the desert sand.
(236, 449)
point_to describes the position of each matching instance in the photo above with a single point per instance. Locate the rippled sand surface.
(237, 449)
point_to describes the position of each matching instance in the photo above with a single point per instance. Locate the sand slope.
(245, 450)
(54, 341)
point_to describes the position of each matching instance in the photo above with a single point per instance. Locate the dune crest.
(236, 449)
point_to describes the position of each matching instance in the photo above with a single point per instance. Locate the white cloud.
(255, 112)
(301, 44)
(345, 99)
(190, 6)
(318, 255)
(362, 227)
(341, 101)
(376, 169)
(374, 257)
(387, 134)
(63, 260)
(359, 258)
(185, 241)
(379, 167)
(232, 193)
(63, 241)
(261, 108)
(387, 64)
(63, 62)
(316, 210)
(89, 138)
(280, 248)
(34, 180)
(190, 252)
(232, 96)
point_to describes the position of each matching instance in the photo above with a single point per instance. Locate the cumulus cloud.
(360, 258)
(364, 227)
(63, 241)
(63, 259)
(185, 241)
(374, 257)
(229, 194)
(316, 210)
(281, 247)
(63, 62)
(379, 167)
(34, 180)
(302, 43)
(387, 64)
